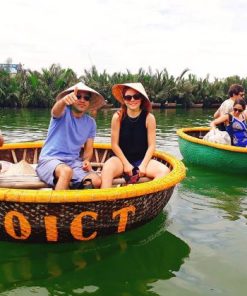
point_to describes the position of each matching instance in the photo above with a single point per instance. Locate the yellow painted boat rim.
(176, 175)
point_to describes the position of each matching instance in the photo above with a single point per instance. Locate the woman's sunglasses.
(238, 110)
(85, 97)
(135, 97)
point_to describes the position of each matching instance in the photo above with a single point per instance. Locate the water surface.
(196, 246)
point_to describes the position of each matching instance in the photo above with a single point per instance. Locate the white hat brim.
(97, 101)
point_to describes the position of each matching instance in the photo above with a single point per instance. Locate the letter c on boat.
(76, 226)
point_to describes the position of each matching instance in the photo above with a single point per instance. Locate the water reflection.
(125, 263)
(31, 124)
(226, 191)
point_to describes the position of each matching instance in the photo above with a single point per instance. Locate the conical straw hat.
(96, 101)
(20, 168)
(117, 90)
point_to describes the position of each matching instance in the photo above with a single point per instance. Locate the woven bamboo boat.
(36, 215)
(196, 151)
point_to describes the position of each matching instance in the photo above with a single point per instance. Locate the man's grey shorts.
(46, 168)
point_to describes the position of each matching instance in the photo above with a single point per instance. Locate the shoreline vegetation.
(33, 89)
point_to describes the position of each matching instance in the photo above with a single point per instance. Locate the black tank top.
(133, 137)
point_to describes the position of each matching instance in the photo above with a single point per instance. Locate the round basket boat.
(38, 215)
(195, 150)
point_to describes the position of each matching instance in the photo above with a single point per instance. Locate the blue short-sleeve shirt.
(67, 134)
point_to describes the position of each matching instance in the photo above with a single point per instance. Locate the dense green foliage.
(39, 89)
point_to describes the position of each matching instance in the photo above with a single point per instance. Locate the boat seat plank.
(22, 182)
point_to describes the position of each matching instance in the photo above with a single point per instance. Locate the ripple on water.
(206, 189)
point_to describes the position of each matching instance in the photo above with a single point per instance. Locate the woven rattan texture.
(26, 221)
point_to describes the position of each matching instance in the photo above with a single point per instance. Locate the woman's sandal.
(134, 178)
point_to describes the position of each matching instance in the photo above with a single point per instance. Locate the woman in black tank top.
(133, 137)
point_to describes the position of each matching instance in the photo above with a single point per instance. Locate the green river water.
(196, 246)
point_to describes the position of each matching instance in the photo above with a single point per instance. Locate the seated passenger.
(133, 137)
(235, 123)
(235, 92)
(60, 164)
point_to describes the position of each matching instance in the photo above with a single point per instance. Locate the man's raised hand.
(71, 98)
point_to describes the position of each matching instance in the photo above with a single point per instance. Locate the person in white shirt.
(236, 91)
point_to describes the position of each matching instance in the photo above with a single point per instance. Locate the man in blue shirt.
(60, 164)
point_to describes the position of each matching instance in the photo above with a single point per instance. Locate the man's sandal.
(85, 184)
